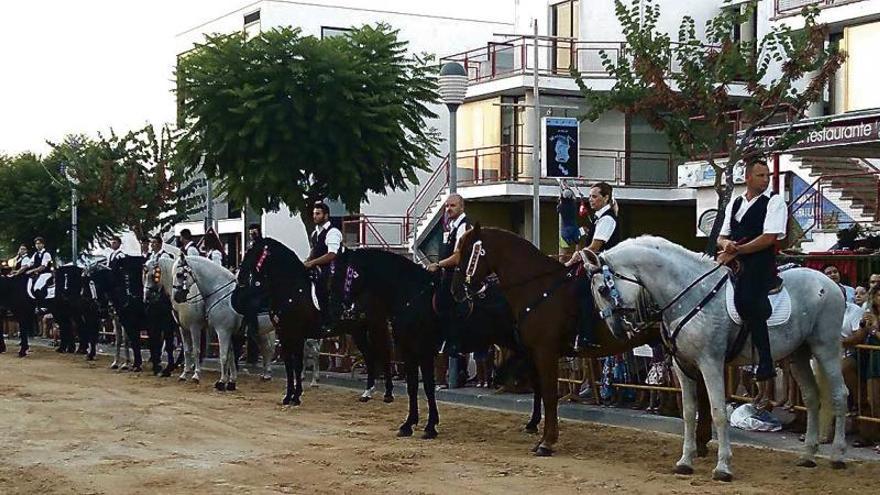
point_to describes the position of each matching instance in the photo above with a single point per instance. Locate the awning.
(855, 134)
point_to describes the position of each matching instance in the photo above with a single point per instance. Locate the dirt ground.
(68, 426)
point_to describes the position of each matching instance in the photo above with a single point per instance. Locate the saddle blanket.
(780, 302)
(315, 297)
(40, 283)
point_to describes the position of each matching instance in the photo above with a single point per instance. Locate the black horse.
(378, 287)
(127, 295)
(14, 297)
(273, 272)
(96, 300)
(68, 307)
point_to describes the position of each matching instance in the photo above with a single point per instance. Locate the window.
(252, 24)
(860, 69)
(332, 32)
(565, 19)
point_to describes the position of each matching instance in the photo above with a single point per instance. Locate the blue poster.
(804, 205)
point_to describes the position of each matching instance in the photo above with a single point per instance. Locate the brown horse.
(543, 297)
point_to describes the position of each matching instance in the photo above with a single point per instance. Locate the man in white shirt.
(326, 244)
(40, 270)
(116, 252)
(753, 222)
(187, 245)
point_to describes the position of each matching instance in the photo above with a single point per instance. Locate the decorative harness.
(654, 313)
(184, 270)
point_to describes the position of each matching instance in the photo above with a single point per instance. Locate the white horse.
(190, 313)
(626, 278)
(197, 278)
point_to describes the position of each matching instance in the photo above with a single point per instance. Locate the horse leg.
(196, 347)
(714, 378)
(535, 420)
(704, 419)
(362, 343)
(187, 352)
(430, 393)
(298, 369)
(548, 371)
(689, 415)
(828, 357)
(389, 383)
(412, 392)
(288, 370)
(232, 364)
(266, 350)
(803, 374)
(117, 337)
(221, 382)
(134, 337)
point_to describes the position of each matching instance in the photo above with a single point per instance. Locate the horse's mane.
(660, 244)
(201, 263)
(518, 241)
(290, 261)
(378, 266)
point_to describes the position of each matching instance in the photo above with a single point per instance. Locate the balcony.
(793, 7)
(556, 57)
(513, 164)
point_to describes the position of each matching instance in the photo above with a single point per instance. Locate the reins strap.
(669, 338)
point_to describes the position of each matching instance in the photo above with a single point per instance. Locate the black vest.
(750, 227)
(37, 260)
(448, 247)
(615, 237)
(318, 243)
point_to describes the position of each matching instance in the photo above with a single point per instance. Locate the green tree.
(283, 117)
(128, 182)
(781, 75)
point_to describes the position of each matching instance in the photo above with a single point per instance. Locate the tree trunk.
(725, 192)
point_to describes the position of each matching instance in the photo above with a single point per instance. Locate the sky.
(85, 66)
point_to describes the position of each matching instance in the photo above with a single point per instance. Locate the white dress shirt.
(333, 239)
(774, 222)
(604, 227)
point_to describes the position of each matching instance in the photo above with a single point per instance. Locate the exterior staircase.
(850, 183)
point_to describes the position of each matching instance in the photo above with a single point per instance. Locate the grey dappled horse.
(200, 279)
(664, 271)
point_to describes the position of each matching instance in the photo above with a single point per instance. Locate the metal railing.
(794, 7)
(377, 231)
(557, 56)
(853, 185)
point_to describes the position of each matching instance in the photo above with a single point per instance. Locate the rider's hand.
(725, 257)
(308, 265)
(729, 247)
(433, 267)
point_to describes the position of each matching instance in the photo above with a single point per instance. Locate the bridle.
(184, 273)
(646, 309)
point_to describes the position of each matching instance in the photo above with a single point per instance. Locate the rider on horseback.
(39, 270)
(326, 244)
(752, 224)
(449, 258)
(605, 234)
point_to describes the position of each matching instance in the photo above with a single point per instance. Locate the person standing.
(605, 234)
(162, 324)
(833, 273)
(753, 222)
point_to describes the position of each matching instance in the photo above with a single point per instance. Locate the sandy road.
(67, 426)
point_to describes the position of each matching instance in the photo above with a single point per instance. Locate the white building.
(432, 27)
(496, 122)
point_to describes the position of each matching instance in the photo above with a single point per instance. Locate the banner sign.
(560, 138)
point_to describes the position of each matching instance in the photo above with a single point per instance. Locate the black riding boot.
(586, 315)
(761, 340)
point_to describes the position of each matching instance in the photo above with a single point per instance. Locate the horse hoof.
(181, 378)
(195, 380)
(137, 369)
(531, 429)
(429, 434)
(838, 465)
(285, 401)
(405, 431)
(220, 385)
(683, 469)
(388, 399)
(722, 476)
(295, 402)
(114, 366)
(542, 451)
(806, 463)
(265, 378)
(702, 451)
(364, 399)
(230, 386)
(90, 358)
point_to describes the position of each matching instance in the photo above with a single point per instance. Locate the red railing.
(377, 231)
(557, 56)
(427, 195)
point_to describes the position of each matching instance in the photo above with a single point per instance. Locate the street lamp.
(453, 87)
(74, 226)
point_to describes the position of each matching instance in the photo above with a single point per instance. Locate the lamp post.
(74, 220)
(453, 87)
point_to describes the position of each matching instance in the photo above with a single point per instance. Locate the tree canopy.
(723, 89)
(283, 117)
(123, 182)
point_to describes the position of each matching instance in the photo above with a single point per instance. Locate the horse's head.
(184, 280)
(474, 270)
(621, 298)
(252, 277)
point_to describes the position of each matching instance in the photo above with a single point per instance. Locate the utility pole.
(536, 151)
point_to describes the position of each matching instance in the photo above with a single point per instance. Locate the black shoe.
(23, 352)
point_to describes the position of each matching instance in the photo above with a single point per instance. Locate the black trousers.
(587, 315)
(754, 281)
